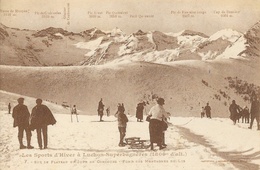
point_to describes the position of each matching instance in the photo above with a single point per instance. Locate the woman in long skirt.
(157, 113)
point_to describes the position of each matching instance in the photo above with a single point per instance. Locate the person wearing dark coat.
(255, 112)
(40, 119)
(122, 123)
(21, 117)
(100, 109)
(234, 111)
(139, 112)
(208, 111)
(245, 115)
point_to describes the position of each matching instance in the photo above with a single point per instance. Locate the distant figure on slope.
(21, 117)
(74, 112)
(245, 115)
(202, 112)
(234, 111)
(108, 111)
(122, 123)
(9, 108)
(100, 109)
(255, 112)
(40, 119)
(140, 111)
(208, 111)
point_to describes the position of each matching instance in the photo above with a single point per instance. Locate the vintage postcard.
(130, 84)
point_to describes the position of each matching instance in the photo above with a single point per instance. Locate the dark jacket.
(100, 108)
(41, 115)
(121, 118)
(255, 108)
(207, 109)
(139, 111)
(234, 111)
(21, 115)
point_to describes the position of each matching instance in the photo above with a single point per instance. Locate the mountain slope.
(186, 85)
(51, 46)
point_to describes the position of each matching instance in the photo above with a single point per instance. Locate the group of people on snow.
(39, 119)
(206, 110)
(157, 118)
(236, 112)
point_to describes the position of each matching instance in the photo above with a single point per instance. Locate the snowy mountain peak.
(193, 33)
(116, 31)
(226, 34)
(139, 32)
(93, 32)
(187, 33)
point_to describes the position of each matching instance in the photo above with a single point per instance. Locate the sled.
(130, 140)
(136, 143)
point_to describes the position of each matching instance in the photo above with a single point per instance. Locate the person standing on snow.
(157, 114)
(202, 112)
(245, 115)
(234, 111)
(122, 123)
(74, 112)
(100, 109)
(21, 117)
(140, 112)
(108, 111)
(40, 119)
(208, 111)
(9, 108)
(255, 111)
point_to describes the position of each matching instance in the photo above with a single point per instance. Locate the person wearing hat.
(40, 119)
(157, 114)
(21, 117)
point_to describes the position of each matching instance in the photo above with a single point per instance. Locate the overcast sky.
(162, 15)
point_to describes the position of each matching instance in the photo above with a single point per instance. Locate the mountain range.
(58, 47)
